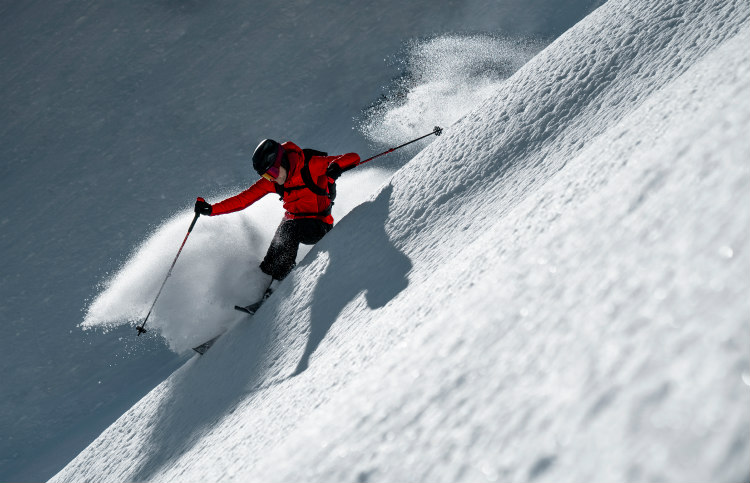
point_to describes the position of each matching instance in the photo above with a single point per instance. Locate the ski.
(250, 310)
(201, 349)
(246, 310)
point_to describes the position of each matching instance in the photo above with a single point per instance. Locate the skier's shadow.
(196, 397)
(368, 263)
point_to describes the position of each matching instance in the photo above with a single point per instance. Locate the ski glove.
(334, 171)
(202, 207)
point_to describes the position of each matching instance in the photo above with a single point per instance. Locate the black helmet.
(266, 155)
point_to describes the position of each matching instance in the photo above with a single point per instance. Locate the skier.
(305, 181)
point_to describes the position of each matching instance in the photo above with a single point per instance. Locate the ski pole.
(437, 131)
(142, 328)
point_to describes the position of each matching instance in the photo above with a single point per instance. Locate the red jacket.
(298, 200)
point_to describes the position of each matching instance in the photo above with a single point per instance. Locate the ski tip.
(203, 348)
(243, 309)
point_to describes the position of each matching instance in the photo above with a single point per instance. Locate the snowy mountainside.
(118, 114)
(551, 290)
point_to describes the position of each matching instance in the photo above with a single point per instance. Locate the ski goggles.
(275, 158)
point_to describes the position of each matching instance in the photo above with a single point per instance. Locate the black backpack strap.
(309, 153)
(325, 212)
(309, 183)
(307, 177)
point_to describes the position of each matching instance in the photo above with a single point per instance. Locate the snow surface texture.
(553, 290)
(117, 114)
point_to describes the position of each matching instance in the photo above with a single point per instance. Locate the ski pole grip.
(195, 218)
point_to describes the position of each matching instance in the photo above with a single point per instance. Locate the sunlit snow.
(553, 289)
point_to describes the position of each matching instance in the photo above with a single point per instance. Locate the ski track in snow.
(554, 289)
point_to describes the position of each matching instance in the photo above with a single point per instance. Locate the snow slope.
(555, 289)
(116, 115)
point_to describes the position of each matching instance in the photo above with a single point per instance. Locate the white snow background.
(555, 289)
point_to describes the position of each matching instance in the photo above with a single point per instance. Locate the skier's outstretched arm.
(240, 201)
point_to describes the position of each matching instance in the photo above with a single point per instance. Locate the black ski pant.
(282, 254)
